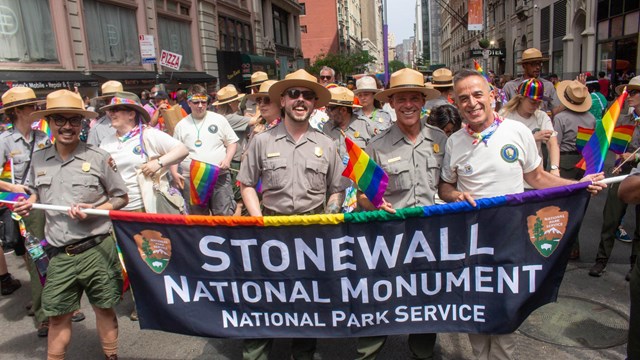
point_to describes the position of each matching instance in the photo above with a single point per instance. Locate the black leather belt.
(78, 247)
(569, 153)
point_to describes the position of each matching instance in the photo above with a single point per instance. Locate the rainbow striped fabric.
(203, 180)
(368, 175)
(595, 150)
(43, 126)
(621, 137)
(478, 68)
(8, 198)
(583, 137)
(7, 171)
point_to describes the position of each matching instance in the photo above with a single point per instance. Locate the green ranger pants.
(420, 345)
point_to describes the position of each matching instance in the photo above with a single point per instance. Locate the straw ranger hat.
(634, 84)
(258, 78)
(109, 88)
(532, 88)
(406, 80)
(228, 94)
(532, 55)
(64, 102)
(574, 96)
(128, 100)
(442, 78)
(366, 84)
(300, 78)
(18, 96)
(341, 96)
(263, 90)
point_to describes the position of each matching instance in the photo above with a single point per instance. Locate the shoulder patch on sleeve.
(112, 164)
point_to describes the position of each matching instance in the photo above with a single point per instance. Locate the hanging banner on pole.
(475, 15)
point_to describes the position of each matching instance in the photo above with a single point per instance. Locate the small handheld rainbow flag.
(7, 171)
(43, 126)
(8, 198)
(621, 137)
(595, 150)
(479, 69)
(203, 180)
(368, 175)
(583, 137)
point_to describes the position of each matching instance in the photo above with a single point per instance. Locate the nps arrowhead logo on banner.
(154, 249)
(546, 229)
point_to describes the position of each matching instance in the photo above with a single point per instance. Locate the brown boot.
(8, 284)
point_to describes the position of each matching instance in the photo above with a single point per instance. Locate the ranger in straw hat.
(83, 256)
(410, 152)
(102, 127)
(366, 88)
(248, 104)
(443, 82)
(300, 171)
(531, 62)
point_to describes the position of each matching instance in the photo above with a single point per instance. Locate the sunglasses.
(263, 100)
(325, 77)
(62, 121)
(306, 94)
(118, 108)
(633, 92)
(198, 103)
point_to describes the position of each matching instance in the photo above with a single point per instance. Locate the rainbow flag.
(596, 148)
(479, 69)
(621, 137)
(8, 198)
(368, 175)
(203, 180)
(583, 137)
(43, 126)
(7, 171)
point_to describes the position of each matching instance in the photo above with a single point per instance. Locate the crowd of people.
(438, 142)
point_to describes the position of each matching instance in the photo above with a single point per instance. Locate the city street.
(589, 322)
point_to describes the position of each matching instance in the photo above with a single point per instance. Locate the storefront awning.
(49, 80)
(252, 63)
(190, 77)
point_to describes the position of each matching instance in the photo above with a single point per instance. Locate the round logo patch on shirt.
(509, 153)
(137, 150)
(213, 129)
(467, 169)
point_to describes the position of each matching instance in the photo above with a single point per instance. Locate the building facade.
(371, 15)
(428, 32)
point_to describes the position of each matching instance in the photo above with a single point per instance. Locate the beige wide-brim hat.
(532, 55)
(258, 78)
(406, 80)
(341, 96)
(129, 100)
(574, 95)
(263, 90)
(18, 96)
(366, 84)
(227, 94)
(300, 78)
(442, 78)
(109, 88)
(634, 84)
(64, 102)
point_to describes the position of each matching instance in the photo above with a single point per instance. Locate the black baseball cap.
(160, 95)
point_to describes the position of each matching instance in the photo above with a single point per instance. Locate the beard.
(298, 118)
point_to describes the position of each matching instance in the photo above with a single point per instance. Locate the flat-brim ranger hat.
(634, 84)
(442, 78)
(263, 90)
(130, 101)
(574, 95)
(341, 96)
(227, 94)
(18, 96)
(303, 79)
(406, 80)
(258, 78)
(366, 84)
(109, 88)
(64, 102)
(532, 55)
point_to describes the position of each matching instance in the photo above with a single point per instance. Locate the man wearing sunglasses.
(327, 76)
(82, 252)
(300, 170)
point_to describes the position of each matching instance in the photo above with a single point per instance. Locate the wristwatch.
(554, 167)
(160, 162)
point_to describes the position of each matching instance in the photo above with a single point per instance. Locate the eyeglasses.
(118, 108)
(263, 100)
(198, 103)
(325, 77)
(295, 93)
(633, 92)
(62, 121)
(330, 108)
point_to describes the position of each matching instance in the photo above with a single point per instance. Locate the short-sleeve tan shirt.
(413, 168)
(14, 146)
(88, 176)
(296, 177)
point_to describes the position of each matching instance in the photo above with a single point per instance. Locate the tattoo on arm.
(334, 204)
(119, 202)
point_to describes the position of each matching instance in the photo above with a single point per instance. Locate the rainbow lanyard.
(486, 133)
(135, 131)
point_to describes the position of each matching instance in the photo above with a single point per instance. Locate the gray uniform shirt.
(380, 119)
(551, 101)
(239, 124)
(296, 177)
(413, 168)
(430, 104)
(566, 124)
(14, 146)
(88, 176)
(100, 130)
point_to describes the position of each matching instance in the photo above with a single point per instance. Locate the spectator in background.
(554, 80)
(181, 98)
(327, 76)
(144, 97)
(161, 100)
(102, 127)
(598, 100)
(604, 83)
(371, 109)
(446, 118)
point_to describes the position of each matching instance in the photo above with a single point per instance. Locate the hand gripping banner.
(443, 268)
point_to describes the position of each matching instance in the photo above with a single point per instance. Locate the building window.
(560, 19)
(26, 33)
(281, 26)
(175, 36)
(304, 9)
(545, 23)
(235, 35)
(112, 34)
(303, 28)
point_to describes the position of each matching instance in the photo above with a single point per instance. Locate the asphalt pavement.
(589, 321)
